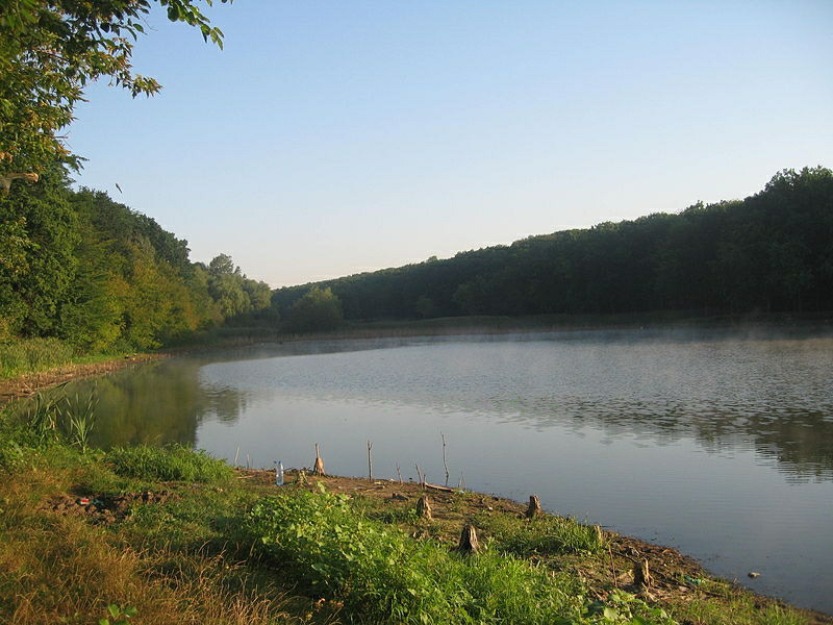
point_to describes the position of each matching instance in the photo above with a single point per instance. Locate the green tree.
(225, 284)
(318, 310)
(38, 262)
(50, 50)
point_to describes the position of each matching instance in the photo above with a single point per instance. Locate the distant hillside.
(771, 252)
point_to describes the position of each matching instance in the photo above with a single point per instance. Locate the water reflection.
(772, 396)
(157, 404)
(769, 396)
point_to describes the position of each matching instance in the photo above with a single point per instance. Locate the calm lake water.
(719, 445)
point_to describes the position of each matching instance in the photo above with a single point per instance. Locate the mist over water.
(716, 444)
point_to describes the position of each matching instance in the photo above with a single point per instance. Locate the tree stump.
(468, 540)
(424, 508)
(534, 508)
(642, 575)
(318, 467)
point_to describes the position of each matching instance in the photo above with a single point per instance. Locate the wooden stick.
(444, 489)
(369, 460)
(445, 461)
(423, 508)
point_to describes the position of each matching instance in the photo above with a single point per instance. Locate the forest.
(769, 253)
(88, 273)
(99, 277)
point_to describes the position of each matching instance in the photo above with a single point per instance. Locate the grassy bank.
(159, 536)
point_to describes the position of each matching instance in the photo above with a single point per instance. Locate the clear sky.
(334, 137)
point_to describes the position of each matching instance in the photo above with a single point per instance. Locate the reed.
(23, 356)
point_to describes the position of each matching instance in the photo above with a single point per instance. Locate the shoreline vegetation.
(174, 536)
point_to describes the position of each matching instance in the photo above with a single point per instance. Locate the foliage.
(42, 266)
(234, 293)
(50, 50)
(79, 267)
(769, 253)
(318, 310)
(78, 419)
(120, 615)
(172, 463)
(382, 576)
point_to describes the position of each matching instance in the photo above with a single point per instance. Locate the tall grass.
(55, 417)
(21, 356)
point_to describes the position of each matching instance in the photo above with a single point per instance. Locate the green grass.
(383, 576)
(21, 356)
(542, 535)
(170, 463)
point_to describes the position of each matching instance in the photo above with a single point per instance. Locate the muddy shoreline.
(32, 383)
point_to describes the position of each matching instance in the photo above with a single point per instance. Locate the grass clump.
(542, 535)
(167, 464)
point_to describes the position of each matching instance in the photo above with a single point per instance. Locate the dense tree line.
(80, 267)
(771, 252)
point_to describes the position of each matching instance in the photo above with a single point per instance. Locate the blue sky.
(335, 137)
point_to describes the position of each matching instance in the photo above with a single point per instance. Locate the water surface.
(719, 445)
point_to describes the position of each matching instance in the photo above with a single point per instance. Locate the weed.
(119, 615)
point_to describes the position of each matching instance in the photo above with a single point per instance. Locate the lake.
(715, 443)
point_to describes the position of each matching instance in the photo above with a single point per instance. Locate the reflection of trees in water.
(157, 404)
(801, 442)
(787, 422)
